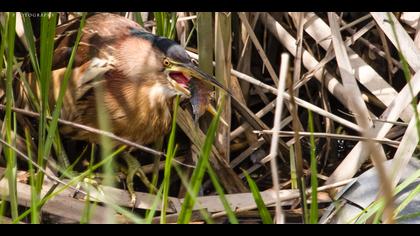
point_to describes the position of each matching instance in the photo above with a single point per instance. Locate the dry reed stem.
(357, 105)
(275, 139)
(223, 55)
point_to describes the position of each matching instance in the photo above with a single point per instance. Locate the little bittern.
(140, 73)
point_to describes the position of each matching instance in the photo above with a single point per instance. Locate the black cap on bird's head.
(168, 47)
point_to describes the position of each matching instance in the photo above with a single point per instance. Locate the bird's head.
(181, 71)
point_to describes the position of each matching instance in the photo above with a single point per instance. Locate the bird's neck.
(146, 107)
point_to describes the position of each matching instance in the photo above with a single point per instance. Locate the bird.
(139, 72)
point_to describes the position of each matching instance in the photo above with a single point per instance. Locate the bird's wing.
(100, 33)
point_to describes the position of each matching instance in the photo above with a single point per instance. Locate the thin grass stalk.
(35, 219)
(298, 161)
(152, 211)
(158, 146)
(293, 175)
(2, 208)
(9, 153)
(87, 211)
(63, 160)
(170, 154)
(68, 172)
(313, 218)
(33, 100)
(155, 171)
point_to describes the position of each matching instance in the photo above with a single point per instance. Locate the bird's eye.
(194, 61)
(166, 62)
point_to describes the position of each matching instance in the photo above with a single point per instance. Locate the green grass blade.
(159, 23)
(408, 199)
(172, 28)
(230, 214)
(293, 174)
(152, 211)
(313, 215)
(30, 39)
(52, 129)
(87, 211)
(11, 169)
(265, 215)
(35, 218)
(378, 205)
(166, 24)
(138, 18)
(48, 23)
(206, 216)
(408, 216)
(170, 154)
(198, 174)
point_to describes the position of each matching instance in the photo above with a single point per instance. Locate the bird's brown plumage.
(135, 97)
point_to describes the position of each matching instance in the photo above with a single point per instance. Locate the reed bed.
(337, 94)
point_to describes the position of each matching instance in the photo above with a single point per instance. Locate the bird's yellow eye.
(166, 62)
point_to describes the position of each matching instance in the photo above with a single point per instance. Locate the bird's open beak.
(194, 71)
(190, 70)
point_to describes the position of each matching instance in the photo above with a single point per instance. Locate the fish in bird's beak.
(195, 84)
